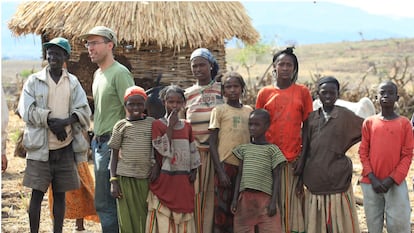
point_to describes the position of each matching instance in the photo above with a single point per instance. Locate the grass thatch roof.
(168, 24)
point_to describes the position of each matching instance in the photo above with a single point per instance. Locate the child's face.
(232, 89)
(173, 101)
(257, 125)
(135, 107)
(387, 95)
(328, 94)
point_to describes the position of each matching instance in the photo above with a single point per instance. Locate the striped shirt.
(258, 164)
(134, 140)
(200, 102)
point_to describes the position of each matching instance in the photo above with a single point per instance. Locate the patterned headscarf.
(206, 54)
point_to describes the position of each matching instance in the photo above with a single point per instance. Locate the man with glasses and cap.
(110, 81)
(54, 107)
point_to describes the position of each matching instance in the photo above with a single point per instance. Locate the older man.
(54, 106)
(110, 81)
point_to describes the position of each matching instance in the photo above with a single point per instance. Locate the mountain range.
(313, 22)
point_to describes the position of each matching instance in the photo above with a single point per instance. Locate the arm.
(300, 164)
(365, 160)
(237, 188)
(275, 201)
(121, 82)
(30, 108)
(156, 168)
(79, 111)
(115, 189)
(400, 172)
(364, 149)
(4, 123)
(223, 178)
(172, 121)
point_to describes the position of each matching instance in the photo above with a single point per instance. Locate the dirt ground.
(15, 197)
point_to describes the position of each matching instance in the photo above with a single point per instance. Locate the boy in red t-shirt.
(386, 151)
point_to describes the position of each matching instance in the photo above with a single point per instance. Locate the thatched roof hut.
(155, 37)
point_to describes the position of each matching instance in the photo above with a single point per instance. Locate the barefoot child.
(386, 152)
(171, 196)
(131, 162)
(229, 128)
(256, 200)
(324, 168)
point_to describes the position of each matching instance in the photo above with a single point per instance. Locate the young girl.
(229, 128)
(289, 105)
(131, 162)
(171, 196)
(327, 173)
(256, 201)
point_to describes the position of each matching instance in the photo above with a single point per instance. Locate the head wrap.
(134, 90)
(206, 54)
(328, 79)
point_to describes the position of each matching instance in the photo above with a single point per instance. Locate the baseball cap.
(59, 41)
(101, 31)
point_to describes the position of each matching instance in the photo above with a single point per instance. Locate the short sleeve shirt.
(233, 129)
(258, 164)
(134, 140)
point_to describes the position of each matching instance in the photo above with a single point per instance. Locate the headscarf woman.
(202, 97)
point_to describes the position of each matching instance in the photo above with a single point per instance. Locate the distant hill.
(322, 22)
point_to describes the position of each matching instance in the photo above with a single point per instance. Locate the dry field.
(347, 61)
(15, 197)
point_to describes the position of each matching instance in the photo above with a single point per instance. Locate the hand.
(224, 179)
(193, 175)
(233, 206)
(376, 184)
(298, 167)
(387, 183)
(155, 172)
(173, 118)
(299, 188)
(57, 126)
(116, 190)
(271, 209)
(3, 163)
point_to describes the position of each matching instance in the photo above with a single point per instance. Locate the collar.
(334, 113)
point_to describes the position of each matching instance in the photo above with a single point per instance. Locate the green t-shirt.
(108, 90)
(258, 163)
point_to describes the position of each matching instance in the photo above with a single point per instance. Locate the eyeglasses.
(93, 43)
